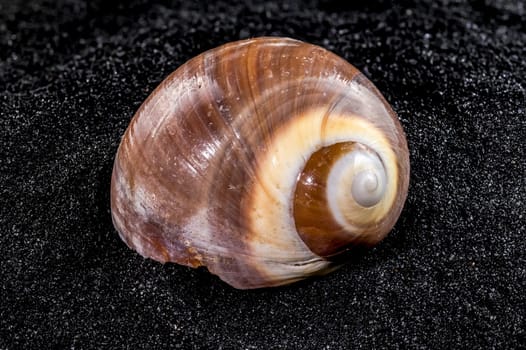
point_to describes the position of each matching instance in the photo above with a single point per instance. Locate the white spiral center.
(357, 180)
(368, 185)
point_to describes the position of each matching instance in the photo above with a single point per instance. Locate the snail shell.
(263, 160)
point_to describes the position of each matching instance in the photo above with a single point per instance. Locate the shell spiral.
(263, 160)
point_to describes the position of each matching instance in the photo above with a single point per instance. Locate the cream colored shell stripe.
(270, 211)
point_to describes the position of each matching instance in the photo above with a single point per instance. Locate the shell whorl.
(261, 159)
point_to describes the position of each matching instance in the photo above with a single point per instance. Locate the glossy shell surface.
(263, 160)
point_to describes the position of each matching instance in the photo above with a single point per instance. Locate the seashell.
(264, 160)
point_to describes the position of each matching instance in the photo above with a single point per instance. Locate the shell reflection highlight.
(263, 160)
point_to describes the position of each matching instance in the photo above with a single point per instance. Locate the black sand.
(452, 274)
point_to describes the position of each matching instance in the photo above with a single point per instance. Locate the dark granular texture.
(452, 274)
